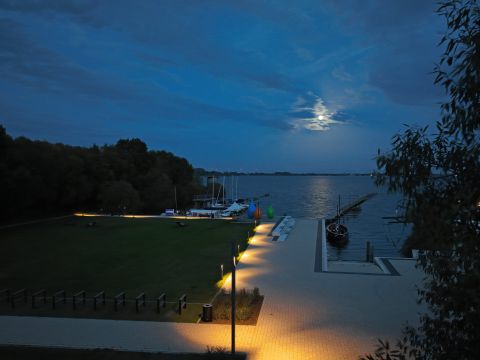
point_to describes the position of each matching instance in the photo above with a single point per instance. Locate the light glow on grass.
(140, 216)
(85, 214)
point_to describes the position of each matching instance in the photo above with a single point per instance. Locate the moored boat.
(337, 234)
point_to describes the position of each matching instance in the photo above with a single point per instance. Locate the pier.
(352, 205)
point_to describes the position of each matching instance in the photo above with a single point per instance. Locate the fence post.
(122, 296)
(140, 296)
(38, 293)
(59, 293)
(182, 302)
(163, 299)
(14, 295)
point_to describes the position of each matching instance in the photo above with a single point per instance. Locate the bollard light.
(233, 295)
(221, 271)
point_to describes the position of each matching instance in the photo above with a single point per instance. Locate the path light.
(233, 294)
(221, 271)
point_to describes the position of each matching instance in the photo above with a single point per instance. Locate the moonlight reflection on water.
(317, 197)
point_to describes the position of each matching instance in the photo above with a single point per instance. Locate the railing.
(182, 303)
(139, 298)
(81, 298)
(115, 300)
(95, 299)
(162, 299)
(75, 296)
(42, 293)
(16, 294)
(59, 294)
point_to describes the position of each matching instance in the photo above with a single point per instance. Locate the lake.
(317, 197)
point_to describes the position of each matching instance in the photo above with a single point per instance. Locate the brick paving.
(305, 315)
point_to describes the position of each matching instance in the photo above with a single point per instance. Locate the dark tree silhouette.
(38, 178)
(439, 173)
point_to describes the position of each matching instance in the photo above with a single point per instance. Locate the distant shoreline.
(215, 173)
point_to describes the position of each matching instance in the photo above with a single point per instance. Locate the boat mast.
(218, 196)
(223, 188)
(213, 189)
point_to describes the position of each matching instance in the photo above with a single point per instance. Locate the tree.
(439, 174)
(119, 197)
(38, 178)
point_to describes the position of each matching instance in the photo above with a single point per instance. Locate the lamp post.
(233, 294)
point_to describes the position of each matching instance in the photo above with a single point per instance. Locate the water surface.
(317, 197)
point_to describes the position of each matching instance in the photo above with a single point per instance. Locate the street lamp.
(233, 294)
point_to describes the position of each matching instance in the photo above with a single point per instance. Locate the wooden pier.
(352, 205)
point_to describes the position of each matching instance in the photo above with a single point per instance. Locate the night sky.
(303, 86)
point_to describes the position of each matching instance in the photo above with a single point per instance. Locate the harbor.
(316, 197)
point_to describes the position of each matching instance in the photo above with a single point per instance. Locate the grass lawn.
(120, 254)
(32, 353)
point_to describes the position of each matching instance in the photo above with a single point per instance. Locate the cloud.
(340, 73)
(183, 31)
(402, 37)
(76, 7)
(23, 61)
(312, 114)
(379, 18)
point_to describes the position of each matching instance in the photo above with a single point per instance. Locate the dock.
(352, 205)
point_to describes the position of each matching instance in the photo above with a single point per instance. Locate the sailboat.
(337, 234)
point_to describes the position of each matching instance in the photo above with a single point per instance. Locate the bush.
(245, 303)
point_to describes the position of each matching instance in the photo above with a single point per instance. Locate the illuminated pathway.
(305, 315)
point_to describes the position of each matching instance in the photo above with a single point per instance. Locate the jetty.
(352, 205)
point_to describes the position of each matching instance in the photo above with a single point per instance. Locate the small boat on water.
(337, 234)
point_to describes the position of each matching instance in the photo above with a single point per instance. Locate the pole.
(233, 291)
(213, 189)
(175, 190)
(223, 190)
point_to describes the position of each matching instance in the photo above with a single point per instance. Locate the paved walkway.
(306, 315)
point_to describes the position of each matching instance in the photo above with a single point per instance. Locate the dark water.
(317, 197)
